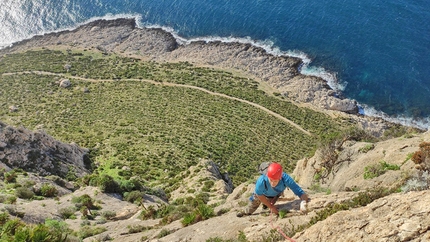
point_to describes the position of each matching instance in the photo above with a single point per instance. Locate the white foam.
(269, 46)
(422, 123)
(46, 30)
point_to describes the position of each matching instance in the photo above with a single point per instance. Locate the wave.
(421, 123)
(270, 48)
(47, 30)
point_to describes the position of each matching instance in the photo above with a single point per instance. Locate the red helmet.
(274, 171)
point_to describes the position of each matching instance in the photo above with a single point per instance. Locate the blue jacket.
(262, 186)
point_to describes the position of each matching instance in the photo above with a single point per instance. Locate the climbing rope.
(279, 229)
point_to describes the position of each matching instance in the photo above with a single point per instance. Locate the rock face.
(399, 217)
(218, 185)
(122, 36)
(354, 157)
(40, 153)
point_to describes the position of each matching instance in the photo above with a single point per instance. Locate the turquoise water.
(376, 52)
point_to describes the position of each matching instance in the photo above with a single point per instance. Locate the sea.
(376, 52)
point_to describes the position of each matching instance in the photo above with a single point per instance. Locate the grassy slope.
(156, 130)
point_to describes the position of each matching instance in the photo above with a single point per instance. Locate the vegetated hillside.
(176, 133)
(156, 129)
(203, 206)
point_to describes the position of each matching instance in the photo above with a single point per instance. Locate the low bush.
(48, 190)
(88, 231)
(137, 228)
(134, 197)
(366, 148)
(66, 213)
(419, 182)
(108, 215)
(10, 177)
(24, 193)
(376, 170)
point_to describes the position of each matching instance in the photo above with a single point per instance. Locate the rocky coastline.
(280, 73)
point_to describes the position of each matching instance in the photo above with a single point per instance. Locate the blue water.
(379, 51)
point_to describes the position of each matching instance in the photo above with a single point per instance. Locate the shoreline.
(123, 36)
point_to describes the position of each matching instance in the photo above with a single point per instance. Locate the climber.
(269, 187)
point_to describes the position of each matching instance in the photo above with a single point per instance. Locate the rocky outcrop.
(398, 217)
(348, 170)
(217, 184)
(40, 153)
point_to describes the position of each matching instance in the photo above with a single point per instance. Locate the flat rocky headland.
(280, 73)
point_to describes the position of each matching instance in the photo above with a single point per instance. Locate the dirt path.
(173, 85)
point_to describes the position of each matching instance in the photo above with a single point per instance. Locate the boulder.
(65, 83)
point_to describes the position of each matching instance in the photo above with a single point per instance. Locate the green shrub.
(107, 184)
(282, 213)
(57, 227)
(208, 185)
(163, 232)
(48, 190)
(137, 228)
(84, 200)
(205, 211)
(366, 148)
(11, 226)
(134, 197)
(88, 231)
(42, 233)
(188, 219)
(191, 190)
(10, 200)
(127, 186)
(24, 234)
(376, 170)
(24, 193)
(4, 217)
(148, 213)
(66, 213)
(10, 177)
(108, 214)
